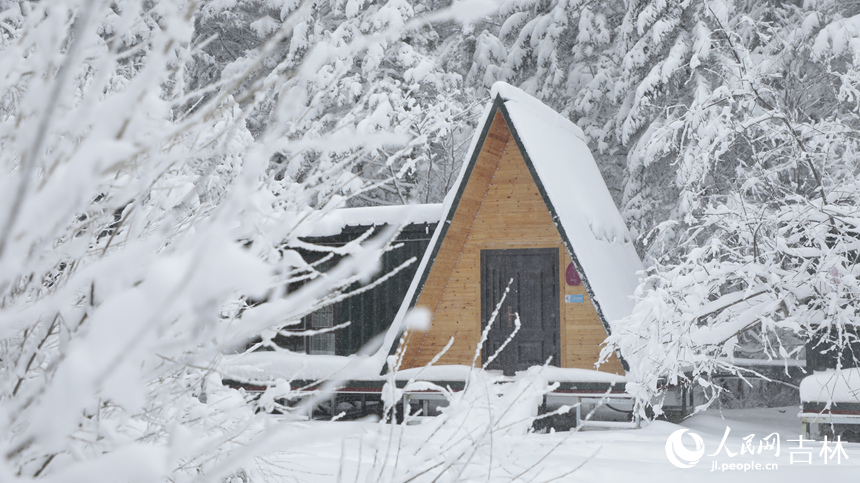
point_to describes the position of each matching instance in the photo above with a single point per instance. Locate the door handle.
(511, 316)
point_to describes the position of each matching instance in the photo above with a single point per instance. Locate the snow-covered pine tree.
(763, 253)
(402, 82)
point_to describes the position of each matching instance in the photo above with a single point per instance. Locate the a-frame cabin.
(530, 210)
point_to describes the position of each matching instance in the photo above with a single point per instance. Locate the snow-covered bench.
(832, 398)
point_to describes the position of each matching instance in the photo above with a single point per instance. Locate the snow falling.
(169, 168)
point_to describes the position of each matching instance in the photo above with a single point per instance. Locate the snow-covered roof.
(593, 231)
(576, 194)
(335, 221)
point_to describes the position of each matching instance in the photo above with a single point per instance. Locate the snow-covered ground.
(372, 452)
(485, 434)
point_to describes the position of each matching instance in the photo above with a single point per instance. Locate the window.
(321, 319)
(308, 344)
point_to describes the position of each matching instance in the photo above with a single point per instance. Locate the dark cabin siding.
(372, 312)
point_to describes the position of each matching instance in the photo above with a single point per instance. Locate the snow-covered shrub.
(141, 210)
(481, 423)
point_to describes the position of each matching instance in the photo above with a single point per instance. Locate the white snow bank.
(842, 386)
(588, 216)
(452, 372)
(564, 374)
(265, 366)
(268, 366)
(547, 373)
(334, 222)
(745, 362)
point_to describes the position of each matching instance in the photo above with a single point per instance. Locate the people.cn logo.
(679, 455)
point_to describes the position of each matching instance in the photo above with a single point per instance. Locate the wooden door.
(533, 295)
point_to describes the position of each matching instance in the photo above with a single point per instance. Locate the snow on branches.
(146, 200)
(761, 254)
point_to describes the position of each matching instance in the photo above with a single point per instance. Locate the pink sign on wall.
(572, 276)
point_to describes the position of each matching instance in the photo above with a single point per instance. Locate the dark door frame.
(549, 307)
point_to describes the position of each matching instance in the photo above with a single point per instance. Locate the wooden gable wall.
(500, 208)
